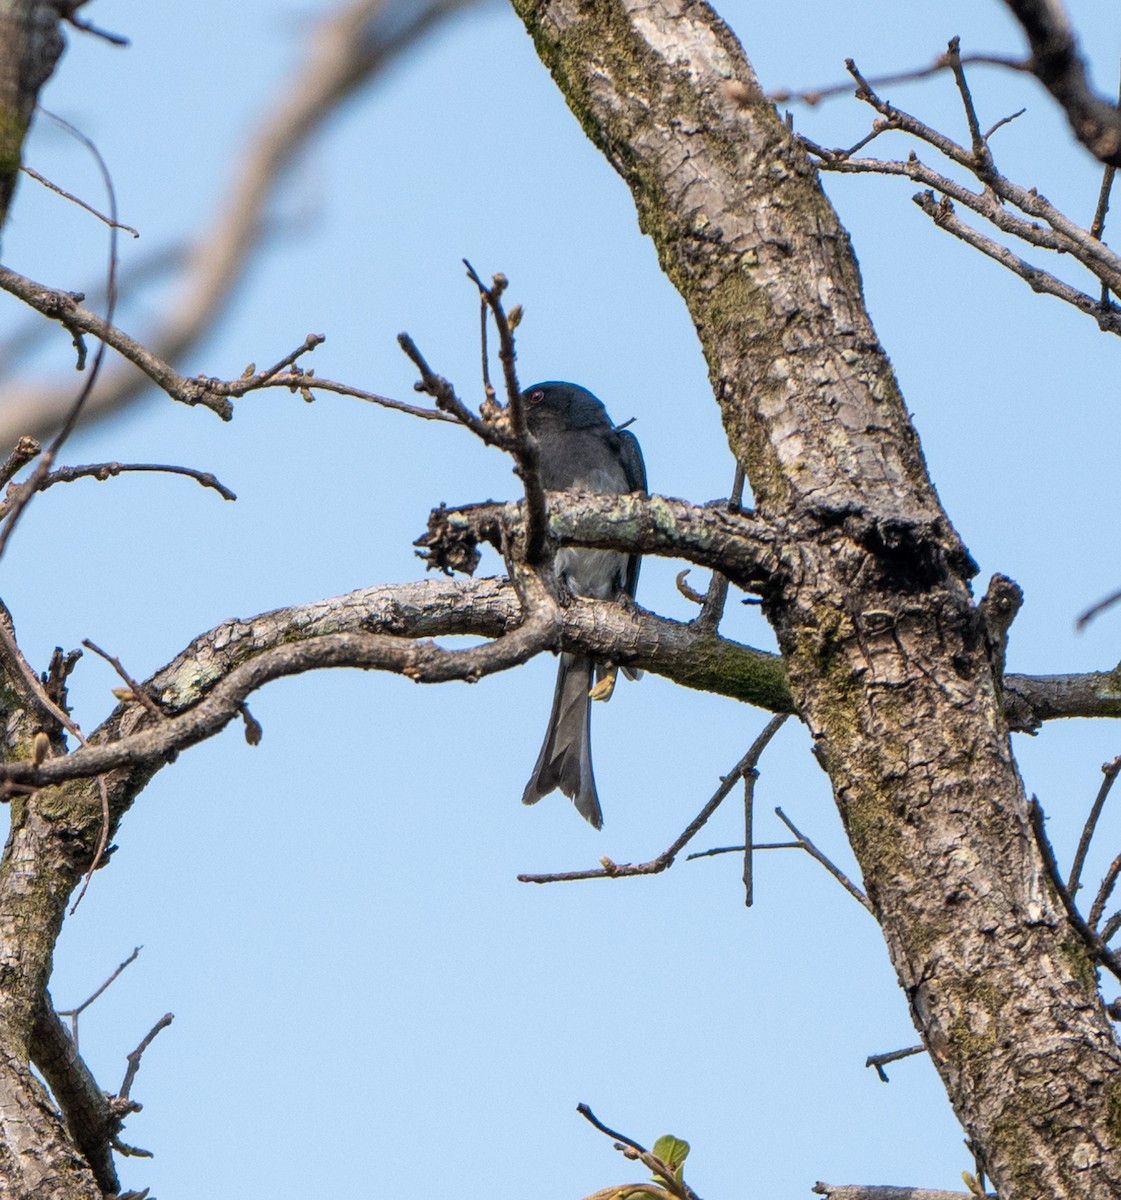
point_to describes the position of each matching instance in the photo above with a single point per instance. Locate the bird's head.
(554, 406)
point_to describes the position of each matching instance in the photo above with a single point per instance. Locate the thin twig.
(981, 152)
(690, 593)
(25, 450)
(137, 1054)
(138, 690)
(1097, 225)
(879, 1061)
(590, 1116)
(522, 445)
(75, 200)
(739, 849)
(1100, 900)
(1110, 928)
(1004, 121)
(1096, 610)
(814, 96)
(611, 870)
(1110, 771)
(75, 1013)
(107, 470)
(354, 41)
(748, 812)
(998, 195)
(1093, 942)
(831, 867)
(47, 459)
(1038, 280)
(714, 601)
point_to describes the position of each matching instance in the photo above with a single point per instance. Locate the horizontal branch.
(718, 535)
(215, 394)
(382, 628)
(1048, 697)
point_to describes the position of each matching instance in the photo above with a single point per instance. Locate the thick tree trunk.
(888, 657)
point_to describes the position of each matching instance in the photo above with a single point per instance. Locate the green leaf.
(673, 1151)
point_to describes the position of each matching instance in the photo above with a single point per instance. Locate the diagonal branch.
(1058, 65)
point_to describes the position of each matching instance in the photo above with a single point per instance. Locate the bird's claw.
(606, 686)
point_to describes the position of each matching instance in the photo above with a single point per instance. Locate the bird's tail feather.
(565, 760)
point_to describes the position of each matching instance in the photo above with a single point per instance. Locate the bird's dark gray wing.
(630, 457)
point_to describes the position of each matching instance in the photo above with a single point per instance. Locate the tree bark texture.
(30, 45)
(888, 659)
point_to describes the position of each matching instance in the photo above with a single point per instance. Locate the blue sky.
(366, 1000)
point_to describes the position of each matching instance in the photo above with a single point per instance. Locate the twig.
(748, 814)
(1107, 886)
(47, 459)
(1096, 610)
(993, 203)
(102, 842)
(107, 470)
(207, 392)
(739, 849)
(813, 96)
(942, 213)
(137, 1054)
(981, 153)
(690, 593)
(879, 1061)
(137, 690)
(590, 1116)
(655, 866)
(75, 200)
(713, 607)
(833, 870)
(522, 446)
(75, 1013)
(114, 39)
(25, 450)
(667, 1178)
(446, 399)
(315, 383)
(1004, 121)
(1093, 942)
(1110, 928)
(492, 297)
(1097, 225)
(1110, 771)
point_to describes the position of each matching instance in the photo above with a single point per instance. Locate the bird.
(580, 449)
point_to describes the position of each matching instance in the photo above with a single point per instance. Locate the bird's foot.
(606, 686)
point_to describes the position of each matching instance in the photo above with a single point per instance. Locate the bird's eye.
(537, 395)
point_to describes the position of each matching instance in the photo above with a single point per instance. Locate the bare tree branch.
(1041, 225)
(347, 48)
(1058, 65)
(745, 769)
